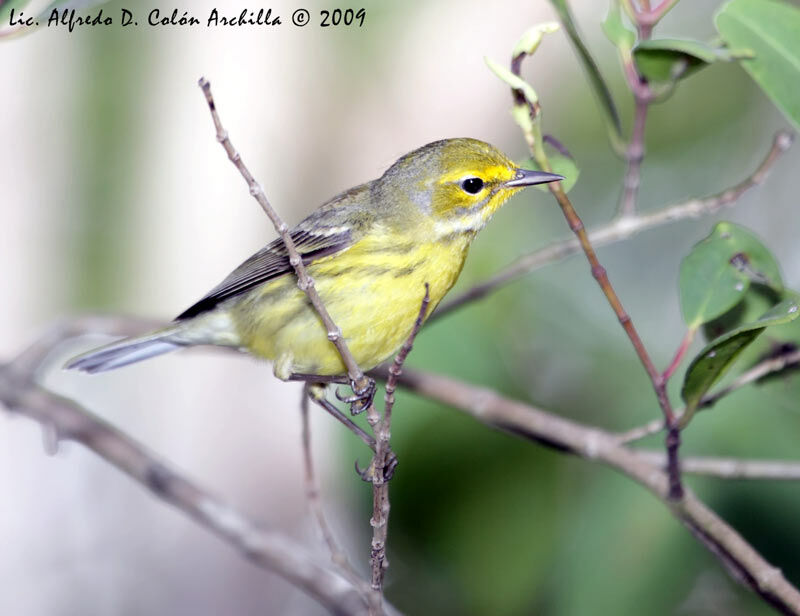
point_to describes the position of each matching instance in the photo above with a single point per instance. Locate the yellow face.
(456, 183)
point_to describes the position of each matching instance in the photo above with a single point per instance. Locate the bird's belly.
(373, 296)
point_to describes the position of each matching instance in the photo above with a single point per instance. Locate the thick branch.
(267, 549)
(742, 561)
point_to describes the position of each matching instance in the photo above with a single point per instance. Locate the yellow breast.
(373, 291)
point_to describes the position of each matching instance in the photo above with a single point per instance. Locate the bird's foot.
(368, 474)
(362, 397)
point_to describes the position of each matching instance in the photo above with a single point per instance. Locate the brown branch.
(533, 137)
(621, 229)
(760, 370)
(744, 563)
(304, 281)
(382, 464)
(67, 420)
(730, 468)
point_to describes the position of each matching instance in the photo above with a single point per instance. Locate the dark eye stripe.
(472, 185)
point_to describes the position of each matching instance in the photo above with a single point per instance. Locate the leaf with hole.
(771, 30)
(717, 272)
(718, 356)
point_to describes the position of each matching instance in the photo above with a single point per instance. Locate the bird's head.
(457, 184)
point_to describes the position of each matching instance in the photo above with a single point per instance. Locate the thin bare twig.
(621, 229)
(744, 563)
(730, 468)
(760, 370)
(381, 460)
(67, 420)
(304, 282)
(314, 500)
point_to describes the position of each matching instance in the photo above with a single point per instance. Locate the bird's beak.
(526, 177)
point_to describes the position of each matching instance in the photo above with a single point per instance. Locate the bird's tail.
(127, 351)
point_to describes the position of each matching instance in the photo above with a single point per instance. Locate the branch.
(730, 468)
(533, 136)
(759, 371)
(381, 463)
(622, 229)
(67, 420)
(304, 281)
(744, 563)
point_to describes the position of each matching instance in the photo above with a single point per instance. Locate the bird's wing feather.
(325, 232)
(269, 263)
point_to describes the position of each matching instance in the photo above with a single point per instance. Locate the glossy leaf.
(771, 29)
(664, 60)
(715, 275)
(596, 80)
(718, 356)
(616, 30)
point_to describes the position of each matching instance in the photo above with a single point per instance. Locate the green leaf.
(513, 80)
(560, 163)
(715, 275)
(616, 30)
(596, 80)
(771, 30)
(718, 356)
(755, 302)
(529, 42)
(665, 60)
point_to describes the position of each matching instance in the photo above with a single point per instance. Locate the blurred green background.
(116, 197)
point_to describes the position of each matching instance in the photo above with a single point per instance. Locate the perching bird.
(370, 250)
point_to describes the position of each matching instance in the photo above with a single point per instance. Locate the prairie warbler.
(370, 251)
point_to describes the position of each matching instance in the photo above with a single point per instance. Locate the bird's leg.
(316, 391)
(362, 396)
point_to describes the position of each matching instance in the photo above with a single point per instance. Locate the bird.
(373, 251)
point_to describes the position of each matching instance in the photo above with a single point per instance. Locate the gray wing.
(324, 233)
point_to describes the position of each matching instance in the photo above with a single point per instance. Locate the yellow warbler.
(370, 250)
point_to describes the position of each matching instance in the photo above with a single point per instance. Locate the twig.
(760, 370)
(679, 354)
(730, 468)
(534, 138)
(622, 229)
(304, 281)
(634, 154)
(314, 500)
(740, 559)
(268, 549)
(380, 483)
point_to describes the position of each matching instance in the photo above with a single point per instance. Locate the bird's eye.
(472, 185)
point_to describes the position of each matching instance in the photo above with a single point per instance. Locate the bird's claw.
(368, 473)
(361, 399)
